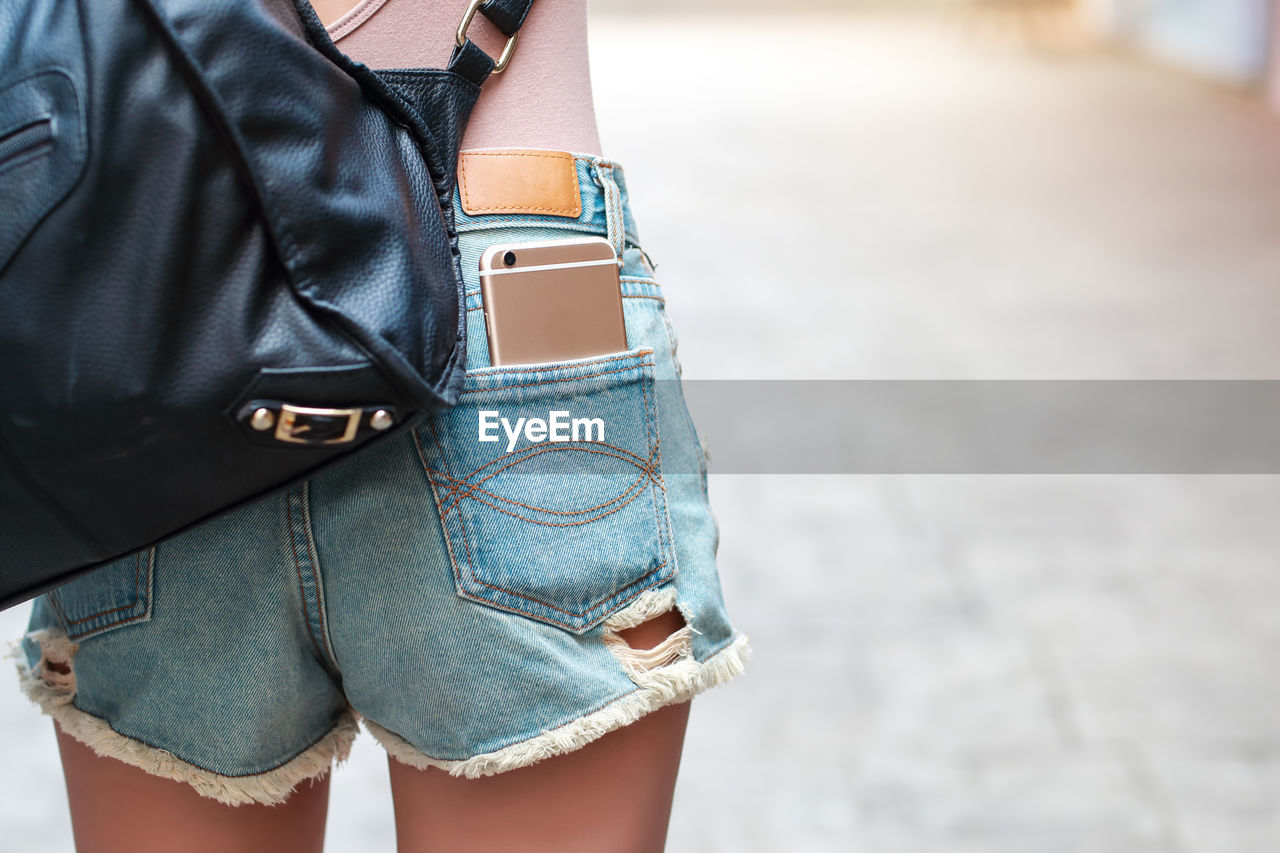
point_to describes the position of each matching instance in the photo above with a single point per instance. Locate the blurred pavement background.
(1022, 664)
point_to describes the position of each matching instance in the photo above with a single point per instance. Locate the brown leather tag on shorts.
(519, 180)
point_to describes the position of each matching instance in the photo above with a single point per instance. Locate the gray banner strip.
(984, 426)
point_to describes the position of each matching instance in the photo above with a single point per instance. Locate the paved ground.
(961, 663)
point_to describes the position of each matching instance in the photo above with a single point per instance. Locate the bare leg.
(611, 796)
(117, 808)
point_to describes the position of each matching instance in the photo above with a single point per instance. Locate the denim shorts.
(460, 599)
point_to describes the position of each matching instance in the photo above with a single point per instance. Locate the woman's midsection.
(541, 100)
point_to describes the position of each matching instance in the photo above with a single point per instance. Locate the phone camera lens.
(509, 259)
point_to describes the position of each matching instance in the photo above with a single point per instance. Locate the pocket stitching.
(645, 466)
(139, 597)
(559, 379)
(639, 480)
(649, 468)
(648, 465)
(633, 458)
(466, 542)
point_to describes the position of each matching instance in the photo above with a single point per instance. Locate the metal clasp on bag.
(275, 420)
(508, 48)
(296, 420)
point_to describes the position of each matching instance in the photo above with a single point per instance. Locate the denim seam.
(661, 509)
(615, 228)
(620, 220)
(497, 370)
(684, 407)
(650, 431)
(321, 606)
(137, 583)
(297, 564)
(140, 596)
(551, 381)
(612, 218)
(491, 221)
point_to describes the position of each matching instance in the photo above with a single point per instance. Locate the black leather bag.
(227, 260)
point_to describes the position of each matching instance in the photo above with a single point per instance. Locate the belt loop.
(617, 228)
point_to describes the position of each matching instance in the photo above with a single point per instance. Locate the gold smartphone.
(552, 300)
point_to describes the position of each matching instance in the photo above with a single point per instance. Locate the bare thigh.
(611, 796)
(117, 808)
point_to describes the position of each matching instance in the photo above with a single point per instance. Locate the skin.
(613, 795)
(115, 807)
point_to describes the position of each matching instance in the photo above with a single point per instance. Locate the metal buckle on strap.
(323, 426)
(507, 49)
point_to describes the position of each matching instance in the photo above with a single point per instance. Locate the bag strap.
(443, 99)
(470, 61)
(435, 104)
(507, 15)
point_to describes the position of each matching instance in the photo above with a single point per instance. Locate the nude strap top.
(383, 34)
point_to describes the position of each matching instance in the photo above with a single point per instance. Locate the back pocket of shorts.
(116, 594)
(548, 482)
